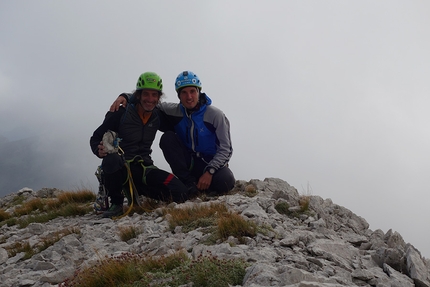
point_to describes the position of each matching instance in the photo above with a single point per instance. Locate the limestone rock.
(326, 246)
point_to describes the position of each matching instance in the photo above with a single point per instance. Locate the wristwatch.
(211, 170)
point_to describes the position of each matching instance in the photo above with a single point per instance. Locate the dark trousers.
(150, 181)
(188, 167)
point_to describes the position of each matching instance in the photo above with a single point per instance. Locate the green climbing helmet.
(149, 80)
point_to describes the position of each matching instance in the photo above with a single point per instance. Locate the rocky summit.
(328, 245)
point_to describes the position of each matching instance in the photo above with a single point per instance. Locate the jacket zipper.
(193, 147)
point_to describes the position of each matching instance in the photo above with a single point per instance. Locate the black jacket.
(136, 138)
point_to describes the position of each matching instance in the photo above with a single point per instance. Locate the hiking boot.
(114, 210)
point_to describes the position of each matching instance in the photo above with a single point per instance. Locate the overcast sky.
(331, 96)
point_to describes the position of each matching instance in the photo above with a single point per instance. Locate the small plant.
(129, 232)
(29, 206)
(147, 205)
(208, 271)
(232, 224)
(305, 199)
(19, 247)
(42, 210)
(304, 203)
(11, 221)
(214, 219)
(4, 215)
(17, 200)
(29, 251)
(303, 208)
(194, 217)
(80, 196)
(53, 203)
(250, 190)
(53, 238)
(73, 209)
(39, 218)
(282, 208)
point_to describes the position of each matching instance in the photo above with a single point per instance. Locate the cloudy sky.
(331, 96)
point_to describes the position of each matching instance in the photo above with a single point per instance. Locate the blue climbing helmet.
(187, 79)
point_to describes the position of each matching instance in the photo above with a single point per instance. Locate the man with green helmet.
(197, 146)
(135, 127)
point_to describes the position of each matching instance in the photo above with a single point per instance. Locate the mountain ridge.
(329, 246)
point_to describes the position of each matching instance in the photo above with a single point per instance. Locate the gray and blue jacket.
(205, 132)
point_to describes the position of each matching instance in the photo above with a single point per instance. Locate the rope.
(131, 184)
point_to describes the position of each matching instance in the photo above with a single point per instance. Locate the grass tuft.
(177, 269)
(80, 196)
(128, 232)
(304, 203)
(29, 251)
(4, 215)
(39, 210)
(191, 218)
(282, 208)
(232, 224)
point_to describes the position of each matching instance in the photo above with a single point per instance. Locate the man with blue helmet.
(198, 145)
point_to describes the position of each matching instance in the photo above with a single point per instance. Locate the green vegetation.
(29, 251)
(39, 210)
(131, 270)
(4, 215)
(215, 219)
(191, 218)
(284, 208)
(128, 232)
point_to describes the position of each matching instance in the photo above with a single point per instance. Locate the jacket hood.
(205, 100)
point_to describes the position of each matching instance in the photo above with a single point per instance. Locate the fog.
(330, 96)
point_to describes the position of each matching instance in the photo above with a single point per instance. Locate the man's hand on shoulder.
(120, 101)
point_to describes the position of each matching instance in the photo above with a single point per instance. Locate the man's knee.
(112, 163)
(224, 180)
(167, 139)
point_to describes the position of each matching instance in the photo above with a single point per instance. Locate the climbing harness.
(111, 142)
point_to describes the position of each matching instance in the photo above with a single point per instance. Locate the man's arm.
(111, 122)
(120, 101)
(224, 146)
